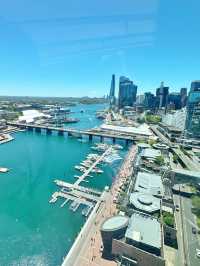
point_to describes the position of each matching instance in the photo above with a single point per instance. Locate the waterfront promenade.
(86, 248)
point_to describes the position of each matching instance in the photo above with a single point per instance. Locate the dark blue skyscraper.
(183, 93)
(127, 92)
(175, 99)
(193, 110)
(112, 91)
(195, 85)
(150, 100)
(162, 95)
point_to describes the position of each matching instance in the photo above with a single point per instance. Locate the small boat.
(80, 168)
(74, 206)
(97, 170)
(3, 170)
(118, 147)
(86, 211)
(70, 120)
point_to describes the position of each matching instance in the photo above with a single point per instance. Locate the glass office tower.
(127, 92)
(193, 111)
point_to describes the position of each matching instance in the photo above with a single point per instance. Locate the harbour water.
(32, 231)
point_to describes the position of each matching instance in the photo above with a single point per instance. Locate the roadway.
(187, 241)
(161, 136)
(187, 161)
(192, 240)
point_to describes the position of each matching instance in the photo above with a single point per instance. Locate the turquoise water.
(87, 118)
(32, 231)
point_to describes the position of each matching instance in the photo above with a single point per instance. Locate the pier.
(74, 132)
(89, 170)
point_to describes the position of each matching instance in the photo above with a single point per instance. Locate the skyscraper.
(127, 92)
(175, 99)
(193, 111)
(183, 93)
(150, 100)
(162, 94)
(195, 85)
(112, 91)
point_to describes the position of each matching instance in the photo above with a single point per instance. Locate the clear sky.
(72, 47)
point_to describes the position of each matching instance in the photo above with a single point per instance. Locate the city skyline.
(72, 50)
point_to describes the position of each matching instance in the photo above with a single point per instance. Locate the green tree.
(159, 160)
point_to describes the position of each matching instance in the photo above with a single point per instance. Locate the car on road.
(101, 248)
(194, 230)
(177, 207)
(198, 252)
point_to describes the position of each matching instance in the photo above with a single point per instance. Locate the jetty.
(92, 167)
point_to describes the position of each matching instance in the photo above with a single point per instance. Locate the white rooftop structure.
(30, 115)
(149, 184)
(150, 153)
(115, 223)
(144, 202)
(142, 130)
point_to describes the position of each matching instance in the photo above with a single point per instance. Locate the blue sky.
(72, 47)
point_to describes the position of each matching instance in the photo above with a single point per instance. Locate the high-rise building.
(175, 99)
(162, 94)
(140, 99)
(193, 111)
(183, 93)
(150, 100)
(175, 119)
(195, 85)
(112, 91)
(127, 92)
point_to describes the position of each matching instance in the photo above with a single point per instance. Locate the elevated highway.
(74, 132)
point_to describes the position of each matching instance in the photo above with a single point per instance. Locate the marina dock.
(91, 168)
(77, 199)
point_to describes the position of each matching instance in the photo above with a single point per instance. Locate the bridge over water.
(74, 132)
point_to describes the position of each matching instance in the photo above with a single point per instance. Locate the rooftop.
(144, 229)
(141, 130)
(145, 202)
(149, 184)
(187, 173)
(150, 153)
(115, 223)
(143, 145)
